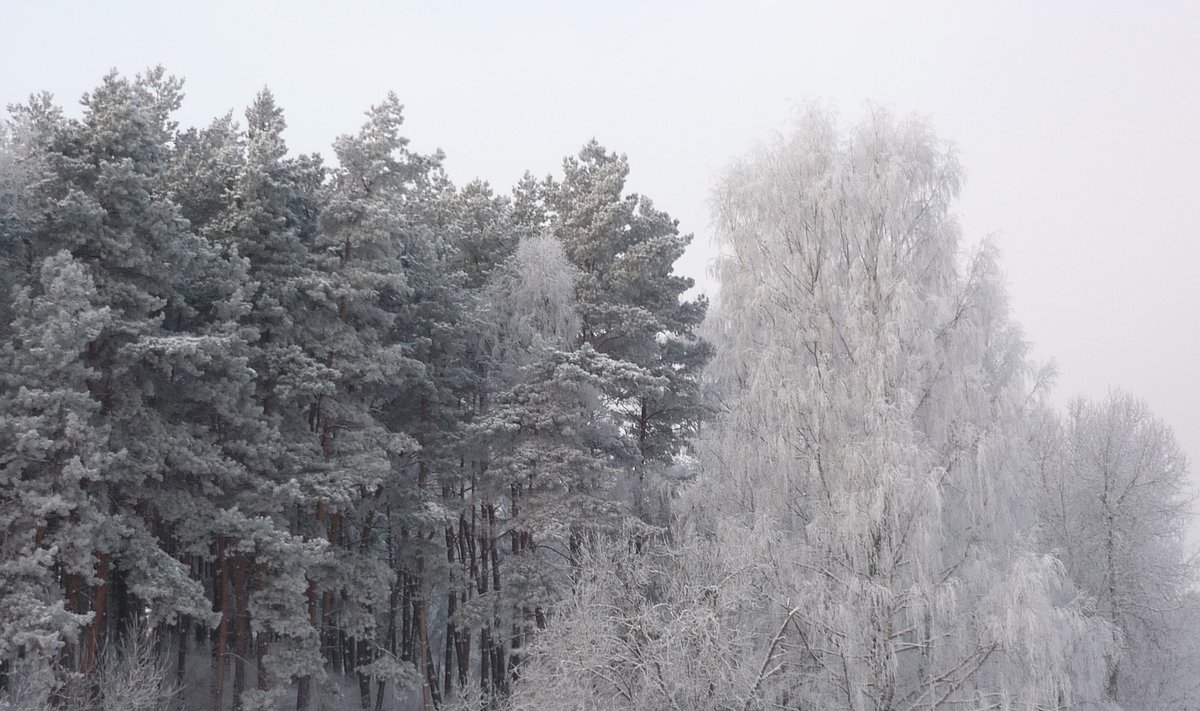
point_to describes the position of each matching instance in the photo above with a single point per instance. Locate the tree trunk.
(407, 606)
(303, 693)
(77, 603)
(429, 687)
(261, 644)
(241, 627)
(262, 640)
(329, 633)
(124, 617)
(364, 656)
(466, 548)
(222, 594)
(499, 678)
(99, 605)
(451, 642)
(304, 683)
(181, 634)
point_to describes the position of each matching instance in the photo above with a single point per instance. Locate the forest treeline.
(277, 433)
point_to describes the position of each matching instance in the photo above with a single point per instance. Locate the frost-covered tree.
(170, 377)
(873, 396)
(632, 305)
(605, 301)
(1116, 502)
(538, 442)
(321, 433)
(857, 538)
(52, 449)
(376, 502)
(483, 230)
(241, 190)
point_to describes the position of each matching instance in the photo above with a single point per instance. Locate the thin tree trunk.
(181, 634)
(1110, 552)
(451, 610)
(304, 683)
(123, 617)
(222, 594)
(303, 692)
(485, 633)
(329, 634)
(499, 679)
(262, 640)
(466, 543)
(260, 659)
(241, 627)
(390, 638)
(406, 619)
(429, 688)
(364, 656)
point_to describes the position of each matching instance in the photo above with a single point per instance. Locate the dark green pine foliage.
(52, 448)
(481, 227)
(380, 508)
(170, 375)
(310, 424)
(633, 307)
(553, 451)
(475, 226)
(273, 224)
(240, 190)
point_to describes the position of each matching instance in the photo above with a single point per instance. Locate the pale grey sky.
(1078, 122)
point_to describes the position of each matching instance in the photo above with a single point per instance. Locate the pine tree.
(170, 375)
(377, 490)
(54, 449)
(632, 305)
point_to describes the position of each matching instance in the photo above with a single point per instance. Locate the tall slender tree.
(54, 447)
(633, 306)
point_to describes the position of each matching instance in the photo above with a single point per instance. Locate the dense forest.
(281, 432)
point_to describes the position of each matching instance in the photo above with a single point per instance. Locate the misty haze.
(634, 357)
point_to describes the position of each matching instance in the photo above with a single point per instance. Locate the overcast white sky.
(1078, 122)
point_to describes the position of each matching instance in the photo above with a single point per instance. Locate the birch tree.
(1116, 502)
(857, 538)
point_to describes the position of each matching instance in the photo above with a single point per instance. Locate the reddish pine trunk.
(99, 605)
(76, 602)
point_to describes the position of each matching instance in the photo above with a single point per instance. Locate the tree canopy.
(282, 433)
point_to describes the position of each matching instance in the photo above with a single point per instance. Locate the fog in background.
(1078, 122)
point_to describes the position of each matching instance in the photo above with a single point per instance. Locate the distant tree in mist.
(1116, 505)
